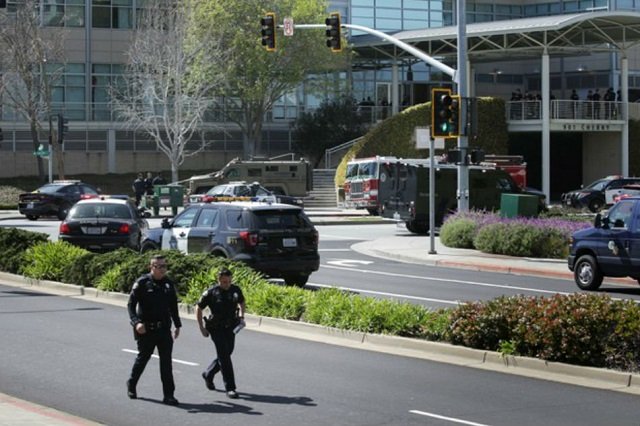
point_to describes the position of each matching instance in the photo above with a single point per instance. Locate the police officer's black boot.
(131, 390)
(208, 382)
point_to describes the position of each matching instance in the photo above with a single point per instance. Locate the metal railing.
(565, 110)
(330, 153)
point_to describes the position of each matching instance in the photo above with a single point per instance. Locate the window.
(112, 13)
(185, 219)
(234, 219)
(208, 218)
(621, 213)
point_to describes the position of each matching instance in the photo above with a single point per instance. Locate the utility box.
(514, 205)
(167, 196)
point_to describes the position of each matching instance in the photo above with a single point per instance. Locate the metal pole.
(432, 196)
(463, 168)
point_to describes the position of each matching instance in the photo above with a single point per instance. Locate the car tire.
(596, 205)
(148, 246)
(586, 273)
(63, 211)
(32, 217)
(298, 280)
(417, 227)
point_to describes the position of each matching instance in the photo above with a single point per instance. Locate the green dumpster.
(167, 196)
(514, 205)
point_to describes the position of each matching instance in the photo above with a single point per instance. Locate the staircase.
(323, 194)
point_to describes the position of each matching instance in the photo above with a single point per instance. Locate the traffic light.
(334, 40)
(62, 128)
(455, 128)
(440, 112)
(268, 23)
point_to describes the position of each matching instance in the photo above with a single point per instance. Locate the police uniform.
(223, 305)
(155, 304)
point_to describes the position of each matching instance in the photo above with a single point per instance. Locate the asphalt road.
(75, 355)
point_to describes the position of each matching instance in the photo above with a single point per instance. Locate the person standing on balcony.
(596, 104)
(574, 102)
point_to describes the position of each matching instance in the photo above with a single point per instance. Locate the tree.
(32, 60)
(255, 78)
(159, 94)
(334, 122)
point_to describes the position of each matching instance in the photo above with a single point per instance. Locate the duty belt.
(156, 325)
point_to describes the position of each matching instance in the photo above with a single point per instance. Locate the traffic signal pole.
(463, 144)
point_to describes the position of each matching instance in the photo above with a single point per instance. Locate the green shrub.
(515, 239)
(277, 301)
(13, 246)
(458, 233)
(109, 280)
(336, 308)
(48, 260)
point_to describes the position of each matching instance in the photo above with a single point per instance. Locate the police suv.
(611, 248)
(278, 240)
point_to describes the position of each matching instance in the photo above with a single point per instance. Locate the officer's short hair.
(224, 272)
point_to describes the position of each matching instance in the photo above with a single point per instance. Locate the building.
(99, 31)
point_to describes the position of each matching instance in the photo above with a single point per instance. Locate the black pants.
(160, 338)
(224, 339)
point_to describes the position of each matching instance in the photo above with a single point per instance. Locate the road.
(74, 355)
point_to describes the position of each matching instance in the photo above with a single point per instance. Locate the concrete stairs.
(323, 194)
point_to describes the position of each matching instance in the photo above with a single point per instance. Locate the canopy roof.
(560, 35)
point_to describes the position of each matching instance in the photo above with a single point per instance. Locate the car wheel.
(32, 217)
(586, 273)
(296, 280)
(63, 211)
(148, 246)
(596, 205)
(417, 227)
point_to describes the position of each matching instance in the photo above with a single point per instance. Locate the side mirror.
(597, 222)
(165, 223)
(605, 222)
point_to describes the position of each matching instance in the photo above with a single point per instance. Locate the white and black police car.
(278, 240)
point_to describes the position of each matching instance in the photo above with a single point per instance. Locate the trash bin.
(514, 205)
(167, 196)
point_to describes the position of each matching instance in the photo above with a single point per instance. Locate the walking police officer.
(226, 304)
(153, 304)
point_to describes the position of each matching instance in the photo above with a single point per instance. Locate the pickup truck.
(611, 248)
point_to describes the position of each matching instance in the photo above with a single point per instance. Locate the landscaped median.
(582, 329)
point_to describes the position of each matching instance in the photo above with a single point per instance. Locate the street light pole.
(463, 145)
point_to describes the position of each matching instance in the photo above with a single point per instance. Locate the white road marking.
(177, 361)
(382, 293)
(473, 283)
(349, 262)
(337, 249)
(451, 419)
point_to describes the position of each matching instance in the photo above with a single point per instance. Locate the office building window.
(103, 77)
(57, 13)
(112, 13)
(68, 92)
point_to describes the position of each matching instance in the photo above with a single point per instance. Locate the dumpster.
(167, 196)
(514, 205)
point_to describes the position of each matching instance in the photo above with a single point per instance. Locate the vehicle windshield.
(50, 188)
(115, 211)
(368, 169)
(598, 185)
(221, 190)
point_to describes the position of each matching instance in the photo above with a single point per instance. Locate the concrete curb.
(394, 345)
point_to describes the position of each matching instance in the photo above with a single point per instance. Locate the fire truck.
(364, 177)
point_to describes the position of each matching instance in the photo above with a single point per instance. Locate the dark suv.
(55, 199)
(593, 196)
(276, 239)
(611, 248)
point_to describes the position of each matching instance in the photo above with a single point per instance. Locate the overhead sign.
(288, 26)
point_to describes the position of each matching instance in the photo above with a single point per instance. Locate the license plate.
(92, 230)
(29, 205)
(289, 242)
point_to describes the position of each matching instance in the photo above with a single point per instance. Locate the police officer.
(226, 304)
(153, 304)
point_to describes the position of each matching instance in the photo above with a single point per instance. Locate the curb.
(401, 346)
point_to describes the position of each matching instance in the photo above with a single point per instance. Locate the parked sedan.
(104, 223)
(55, 199)
(593, 197)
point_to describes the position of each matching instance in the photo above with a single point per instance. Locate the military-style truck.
(403, 191)
(294, 178)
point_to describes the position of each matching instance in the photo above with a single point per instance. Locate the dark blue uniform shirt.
(153, 301)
